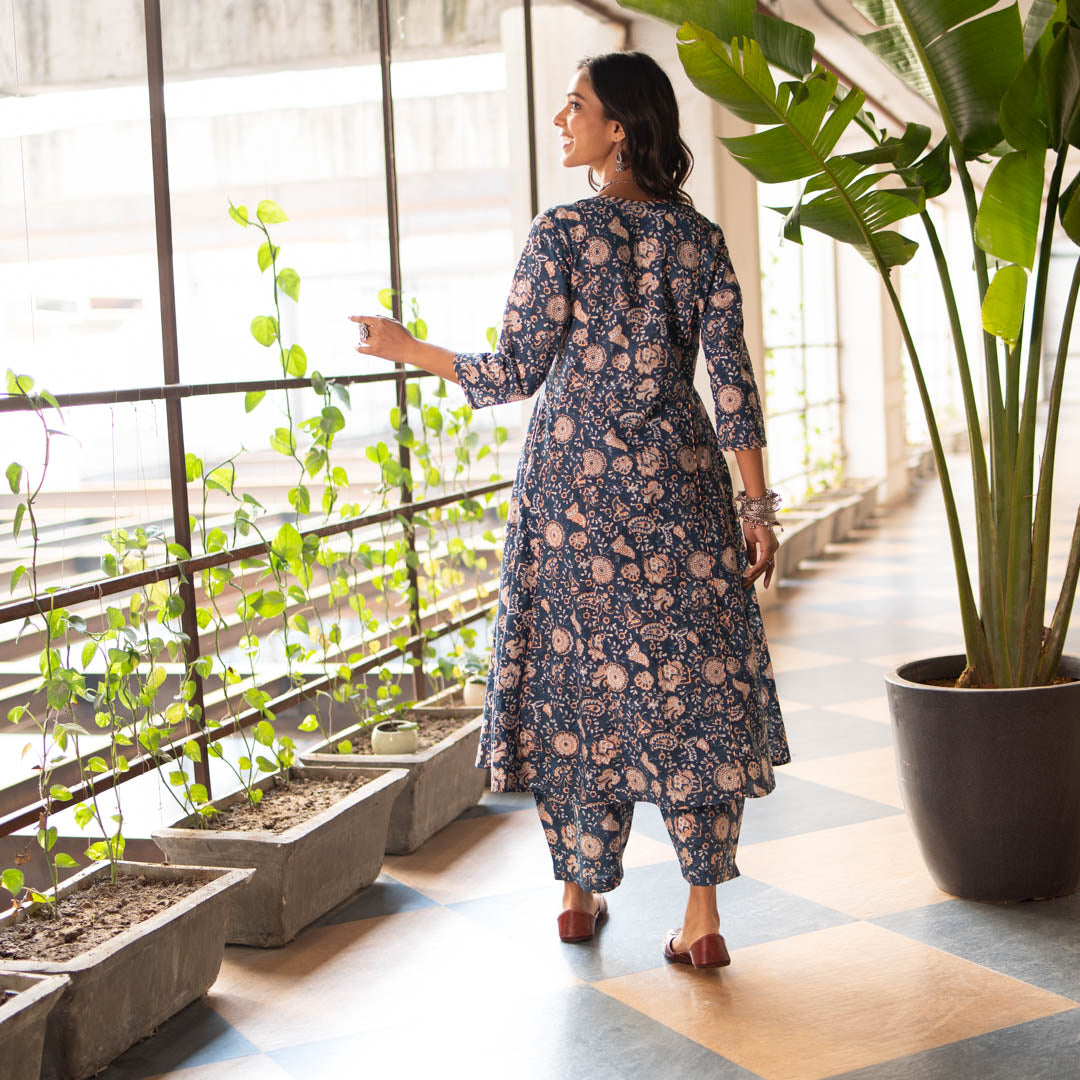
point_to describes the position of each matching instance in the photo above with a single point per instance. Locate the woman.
(628, 660)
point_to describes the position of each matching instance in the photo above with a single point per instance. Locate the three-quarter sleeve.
(536, 319)
(740, 424)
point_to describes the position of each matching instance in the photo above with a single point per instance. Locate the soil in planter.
(283, 807)
(90, 916)
(951, 683)
(433, 729)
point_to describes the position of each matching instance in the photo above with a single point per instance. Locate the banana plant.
(1007, 91)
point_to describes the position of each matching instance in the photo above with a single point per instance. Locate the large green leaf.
(785, 45)
(959, 52)
(1007, 224)
(799, 142)
(1003, 305)
(1061, 80)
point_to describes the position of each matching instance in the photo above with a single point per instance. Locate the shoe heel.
(709, 950)
(576, 925)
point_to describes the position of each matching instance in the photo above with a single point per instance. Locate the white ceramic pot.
(474, 691)
(395, 737)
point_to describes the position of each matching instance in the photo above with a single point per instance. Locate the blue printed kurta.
(628, 662)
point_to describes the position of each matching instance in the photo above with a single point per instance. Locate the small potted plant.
(475, 666)
(443, 778)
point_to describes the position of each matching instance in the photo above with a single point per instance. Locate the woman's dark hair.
(635, 90)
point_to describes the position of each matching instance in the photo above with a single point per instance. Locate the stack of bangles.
(760, 510)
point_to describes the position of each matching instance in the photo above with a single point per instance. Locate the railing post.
(155, 74)
(404, 457)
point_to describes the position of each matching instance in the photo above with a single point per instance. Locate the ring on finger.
(365, 331)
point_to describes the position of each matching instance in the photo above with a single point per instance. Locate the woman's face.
(587, 138)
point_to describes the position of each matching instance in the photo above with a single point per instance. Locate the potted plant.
(443, 779)
(475, 666)
(126, 972)
(988, 742)
(25, 1001)
(313, 836)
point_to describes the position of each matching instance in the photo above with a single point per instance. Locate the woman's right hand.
(761, 547)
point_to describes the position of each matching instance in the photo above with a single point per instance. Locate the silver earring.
(619, 166)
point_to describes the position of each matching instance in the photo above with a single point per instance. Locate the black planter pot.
(990, 780)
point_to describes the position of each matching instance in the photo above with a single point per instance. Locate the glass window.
(802, 381)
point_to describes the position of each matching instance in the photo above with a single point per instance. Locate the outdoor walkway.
(846, 959)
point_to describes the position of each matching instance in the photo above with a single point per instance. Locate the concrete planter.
(120, 991)
(22, 1020)
(303, 872)
(443, 780)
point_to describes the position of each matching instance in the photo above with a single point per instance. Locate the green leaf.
(1007, 223)
(64, 860)
(283, 441)
(194, 467)
(269, 213)
(222, 478)
(264, 329)
(332, 420)
(13, 881)
(267, 255)
(288, 281)
(14, 477)
(300, 499)
(296, 362)
(19, 385)
(1069, 210)
(16, 525)
(265, 764)
(264, 733)
(1003, 305)
(178, 551)
(386, 298)
(960, 52)
(270, 604)
(310, 723)
(192, 751)
(239, 214)
(16, 575)
(786, 46)
(60, 793)
(288, 544)
(318, 383)
(252, 398)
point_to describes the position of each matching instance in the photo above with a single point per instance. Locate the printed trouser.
(587, 840)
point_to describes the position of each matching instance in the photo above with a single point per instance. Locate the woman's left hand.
(386, 338)
(761, 547)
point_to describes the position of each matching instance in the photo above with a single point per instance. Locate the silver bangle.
(758, 509)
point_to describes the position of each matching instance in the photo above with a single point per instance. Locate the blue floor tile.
(196, 1035)
(815, 733)
(878, 639)
(384, 896)
(649, 901)
(577, 1032)
(500, 802)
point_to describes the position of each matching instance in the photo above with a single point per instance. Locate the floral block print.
(628, 660)
(587, 840)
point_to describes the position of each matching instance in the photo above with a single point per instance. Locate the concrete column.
(871, 376)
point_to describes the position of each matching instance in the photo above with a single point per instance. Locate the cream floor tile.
(873, 708)
(940, 624)
(790, 658)
(817, 1004)
(256, 1067)
(427, 958)
(868, 869)
(789, 706)
(894, 660)
(783, 620)
(489, 855)
(870, 774)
